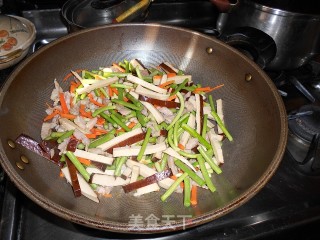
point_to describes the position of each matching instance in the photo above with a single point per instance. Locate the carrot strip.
(63, 103)
(119, 130)
(83, 112)
(84, 161)
(194, 197)
(115, 91)
(131, 124)
(172, 97)
(70, 75)
(98, 131)
(156, 77)
(50, 116)
(171, 75)
(163, 85)
(110, 91)
(91, 135)
(68, 116)
(94, 101)
(207, 89)
(61, 174)
(181, 146)
(100, 121)
(118, 67)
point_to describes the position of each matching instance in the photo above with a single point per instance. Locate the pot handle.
(252, 42)
(225, 5)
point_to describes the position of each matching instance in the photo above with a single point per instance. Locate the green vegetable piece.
(120, 123)
(141, 118)
(164, 162)
(190, 172)
(134, 100)
(187, 192)
(218, 120)
(209, 160)
(173, 187)
(144, 144)
(180, 86)
(78, 165)
(105, 138)
(102, 109)
(108, 118)
(56, 134)
(120, 94)
(193, 133)
(222, 126)
(177, 117)
(81, 146)
(205, 174)
(65, 136)
(119, 85)
(126, 104)
(204, 126)
(119, 165)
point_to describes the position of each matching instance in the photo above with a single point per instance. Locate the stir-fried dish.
(137, 128)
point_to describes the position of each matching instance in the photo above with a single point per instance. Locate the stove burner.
(303, 141)
(307, 125)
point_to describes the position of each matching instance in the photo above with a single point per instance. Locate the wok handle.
(252, 42)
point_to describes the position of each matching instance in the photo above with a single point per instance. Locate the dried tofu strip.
(145, 84)
(86, 189)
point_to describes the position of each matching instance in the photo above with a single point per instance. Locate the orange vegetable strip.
(171, 75)
(109, 195)
(84, 161)
(118, 67)
(163, 85)
(100, 121)
(67, 115)
(194, 195)
(115, 91)
(131, 124)
(110, 91)
(83, 113)
(207, 89)
(156, 77)
(91, 135)
(172, 97)
(181, 146)
(70, 75)
(50, 116)
(91, 99)
(63, 103)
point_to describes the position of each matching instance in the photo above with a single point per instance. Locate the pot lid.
(92, 13)
(16, 35)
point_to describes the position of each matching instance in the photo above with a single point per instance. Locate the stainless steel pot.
(296, 34)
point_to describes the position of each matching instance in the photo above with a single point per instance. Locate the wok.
(254, 113)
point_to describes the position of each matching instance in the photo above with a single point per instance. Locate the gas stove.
(288, 207)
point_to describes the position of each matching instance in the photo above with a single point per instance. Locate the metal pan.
(254, 113)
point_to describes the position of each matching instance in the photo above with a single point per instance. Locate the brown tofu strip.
(166, 68)
(32, 145)
(129, 141)
(160, 103)
(74, 178)
(147, 181)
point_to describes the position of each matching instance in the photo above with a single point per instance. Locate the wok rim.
(104, 225)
